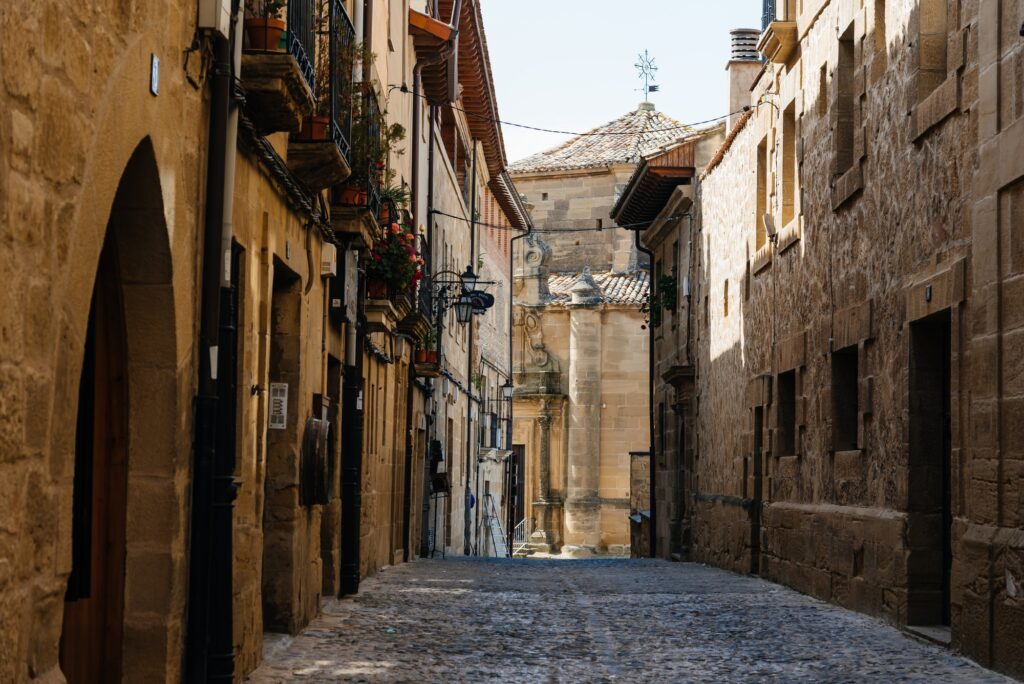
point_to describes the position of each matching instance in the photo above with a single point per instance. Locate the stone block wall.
(898, 201)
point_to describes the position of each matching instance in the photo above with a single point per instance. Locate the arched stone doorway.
(127, 521)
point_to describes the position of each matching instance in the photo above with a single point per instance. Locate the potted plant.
(395, 266)
(264, 26)
(428, 353)
(392, 196)
(374, 141)
(317, 126)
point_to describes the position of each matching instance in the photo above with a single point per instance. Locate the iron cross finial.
(646, 69)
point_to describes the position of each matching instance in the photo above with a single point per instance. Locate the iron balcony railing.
(342, 46)
(767, 13)
(302, 37)
(371, 119)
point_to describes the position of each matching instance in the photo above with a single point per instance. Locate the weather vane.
(646, 69)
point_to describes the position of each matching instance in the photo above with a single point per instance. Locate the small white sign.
(278, 406)
(154, 75)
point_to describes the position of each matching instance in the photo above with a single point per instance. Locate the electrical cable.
(595, 229)
(405, 89)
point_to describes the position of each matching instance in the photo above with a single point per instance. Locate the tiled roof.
(727, 143)
(616, 288)
(631, 136)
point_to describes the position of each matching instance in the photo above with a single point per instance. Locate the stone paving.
(596, 621)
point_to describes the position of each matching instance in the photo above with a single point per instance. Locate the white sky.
(568, 64)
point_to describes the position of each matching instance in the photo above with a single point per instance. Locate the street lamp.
(506, 390)
(469, 279)
(464, 308)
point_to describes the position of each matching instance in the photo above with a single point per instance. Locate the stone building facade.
(580, 348)
(851, 319)
(208, 423)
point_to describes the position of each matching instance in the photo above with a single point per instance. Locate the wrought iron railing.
(302, 37)
(521, 535)
(767, 13)
(342, 45)
(372, 121)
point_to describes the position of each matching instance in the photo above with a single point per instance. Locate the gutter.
(650, 401)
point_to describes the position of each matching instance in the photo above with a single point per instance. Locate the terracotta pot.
(265, 33)
(431, 356)
(376, 288)
(421, 356)
(353, 197)
(315, 128)
(385, 214)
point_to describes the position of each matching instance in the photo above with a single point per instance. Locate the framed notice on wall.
(278, 419)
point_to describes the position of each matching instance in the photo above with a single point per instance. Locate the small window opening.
(787, 413)
(844, 399)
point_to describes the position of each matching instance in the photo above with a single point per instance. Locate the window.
(544, 196)
(931, 46)
(762, 193)
(786, 413)
(844, 399)
(725, 299)
(822, 103)
(844, 103)
(789, 170)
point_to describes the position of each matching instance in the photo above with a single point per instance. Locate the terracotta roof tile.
(634, 135)
(616, 288)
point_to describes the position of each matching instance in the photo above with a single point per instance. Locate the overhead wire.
(405, 89)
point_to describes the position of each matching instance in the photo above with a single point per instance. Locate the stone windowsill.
(778, 41)
(848, 185)
(934, 109)
(762, 258)
(790, 234)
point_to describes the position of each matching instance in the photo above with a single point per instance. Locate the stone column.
(582, 504)
(542, 539)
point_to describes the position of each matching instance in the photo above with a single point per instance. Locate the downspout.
(469, 368)
(427, 485)
(511, 289)
(650, 409)
(210, 640)
(352, 450)
(407, 482)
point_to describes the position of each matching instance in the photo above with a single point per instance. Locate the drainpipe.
(425, 523)
(352, 451)
(209, 647)
(650, 401)
(469, 366)
(511, 289)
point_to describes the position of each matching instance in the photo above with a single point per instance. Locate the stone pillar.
(543, 539)
(582, 504)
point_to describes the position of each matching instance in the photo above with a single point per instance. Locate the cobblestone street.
(597, 620)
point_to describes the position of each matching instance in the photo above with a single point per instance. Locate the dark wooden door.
(90, 646)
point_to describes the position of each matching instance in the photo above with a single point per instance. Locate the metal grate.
(301, 37)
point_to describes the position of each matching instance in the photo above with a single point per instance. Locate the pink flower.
(395, 229)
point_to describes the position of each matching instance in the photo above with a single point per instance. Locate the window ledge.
(790, 234)
(934, 109)
(762, 258)
(847, 185)
(778, 41)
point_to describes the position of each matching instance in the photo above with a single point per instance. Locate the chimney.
(743, 67)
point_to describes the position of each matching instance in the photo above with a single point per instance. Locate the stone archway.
(134, 545)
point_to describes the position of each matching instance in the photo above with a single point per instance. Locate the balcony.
(356, 203)
(778, 41)
(419, 321)
(319, 153)
(277, 73)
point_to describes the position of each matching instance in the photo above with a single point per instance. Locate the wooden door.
(90, 646)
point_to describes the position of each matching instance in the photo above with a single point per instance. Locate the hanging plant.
(395, 261)
(667, 291)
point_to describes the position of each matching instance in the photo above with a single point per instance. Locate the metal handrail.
(520, 535)
(302, 38)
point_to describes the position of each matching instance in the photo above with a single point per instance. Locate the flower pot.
(376, 288)
(431, 356)
(385, 213)
(349, 196)
(421, 356)
(315, 128)
(265, 33)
